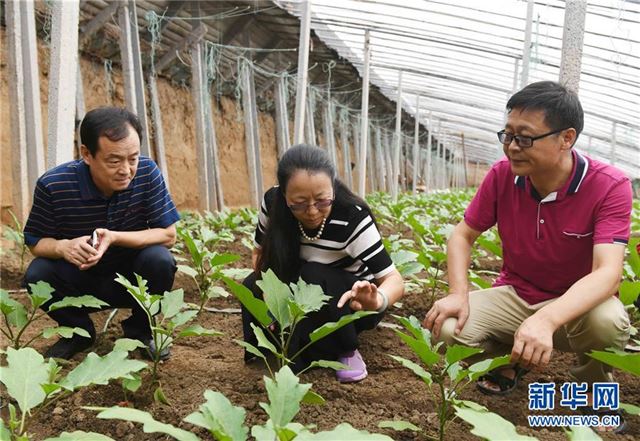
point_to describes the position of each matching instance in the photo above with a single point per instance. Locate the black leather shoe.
(66, 348)
(149, 352)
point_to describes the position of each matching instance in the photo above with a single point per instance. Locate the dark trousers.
(154, 263)
(334, 283)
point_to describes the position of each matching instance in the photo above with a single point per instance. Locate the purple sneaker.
(357, 368)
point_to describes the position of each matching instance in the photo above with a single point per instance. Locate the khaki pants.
(496, 313)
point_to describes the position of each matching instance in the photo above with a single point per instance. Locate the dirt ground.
(389, 392)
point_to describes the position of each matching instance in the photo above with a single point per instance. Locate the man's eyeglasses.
(320, 204)
(523, 141)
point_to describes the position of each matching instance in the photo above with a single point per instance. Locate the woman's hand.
(363, 295)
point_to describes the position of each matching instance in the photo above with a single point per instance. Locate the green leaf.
(183, 317)
(23, 375)
(413, 325)
(415, 368)
(86, 301)
(188, 271)
(50, 388)
(40, 293)
(197, 330)
(150, 425)
(401, 257)
(221, 418)
(276, 295)
(256, 307)
(627, 362)
(489, 245)
(195, 254)
(480, 368)
(285, 394)
(581, 433)
(172, 302)
(64, 332)
(312, 397)
(263, 341)
(634, 258)
(128, 344)
(132, 384)
(330, 327)
(251, 349)
(458, 352)
(5, 433)
(99, 370)
(421, 348)
(398, 425)
(342, 432)
(335, 365)
(308, 297)
(631, 409)
(237, 273)
(490, 426)
(79, 435)
(629, 291)
(15, 312)
(159, 396)
(222, 259)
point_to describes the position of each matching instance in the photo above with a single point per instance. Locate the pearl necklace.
(317, 236)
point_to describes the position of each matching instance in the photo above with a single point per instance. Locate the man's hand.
(454, 305)
(533, 342)
(363, 295)
(77, 251)
(105, 239)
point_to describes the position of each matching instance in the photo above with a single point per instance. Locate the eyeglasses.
(523, 141)
(320, 204)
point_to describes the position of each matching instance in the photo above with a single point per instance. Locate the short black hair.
(561, 106)
(111, 122)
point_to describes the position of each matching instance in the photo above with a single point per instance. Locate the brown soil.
(197, 364)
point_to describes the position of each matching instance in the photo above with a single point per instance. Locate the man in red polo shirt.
(564, 220)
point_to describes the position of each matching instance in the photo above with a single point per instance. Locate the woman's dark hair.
(281, 242)
(112, 122)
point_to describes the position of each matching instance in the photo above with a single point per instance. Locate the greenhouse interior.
(320, 220)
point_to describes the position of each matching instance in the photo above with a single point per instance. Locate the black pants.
(334, 283)
(154, 263)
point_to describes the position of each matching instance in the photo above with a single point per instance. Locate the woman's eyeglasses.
(320, 204)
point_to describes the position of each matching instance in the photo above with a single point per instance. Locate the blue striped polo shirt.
(67, 204)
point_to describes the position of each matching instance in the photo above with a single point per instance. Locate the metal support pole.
(396, 150)
(330, 139)
(20, 177)
(62, 81)
(464, 160)
(526, 51)
(158, 134)
(303, 64)
(309, 125)
(428, 176)
(252, 135)
(199, 88)
(282, 117)
(346, 148)
(132, 69)
(388, 161)
(380, 160)
(33, 115)
(572, 41)
(364, 124)
(416, 147)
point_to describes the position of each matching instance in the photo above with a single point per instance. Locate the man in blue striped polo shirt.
(122, 198)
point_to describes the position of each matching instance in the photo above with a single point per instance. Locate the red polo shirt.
(547, 244)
